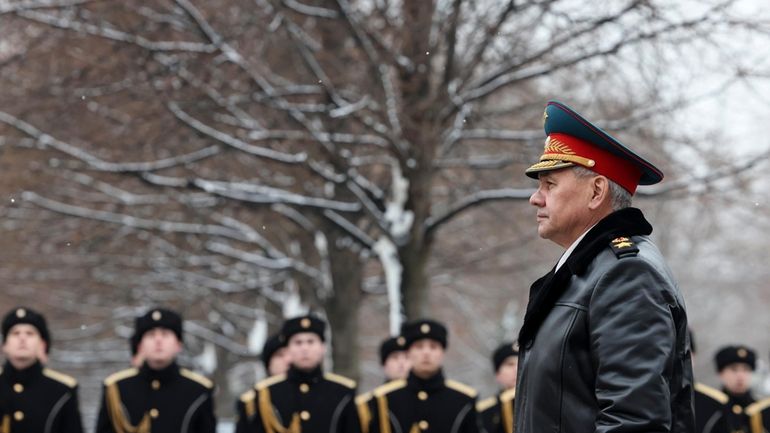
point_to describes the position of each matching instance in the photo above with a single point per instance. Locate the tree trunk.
(342, 310)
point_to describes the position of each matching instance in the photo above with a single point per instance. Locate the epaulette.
(248, 396)
(508, 395)
(461, 387)
(711, 392)
(123, 374)
(389, 387)
(486, 404)
(60, 377)
(342, 380)
(195, 377)
(624, 247)
(758, 406)
(363, 398)
(272, 380)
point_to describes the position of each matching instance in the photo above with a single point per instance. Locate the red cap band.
(564, 147)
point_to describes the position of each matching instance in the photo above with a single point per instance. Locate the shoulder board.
(270, 381)
(60, 377)
(486, 404)
(713, 393)
(248, 396)
(461, 387)
(389, 387)
(508, 395)
(342, 380)
(195, 377)
(363, 398)
(117, 377)
(758, 407)
(624, 247)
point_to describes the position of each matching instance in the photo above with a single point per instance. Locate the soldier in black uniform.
(159, 396)
(759, 416)
(710, 404)
(275, 356)
(34, 398)
(305, 399)
(736, 365)
(393, 358)
(425, 401)
(496, 413)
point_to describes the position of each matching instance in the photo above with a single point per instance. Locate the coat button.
(154, 413)
(304, 388)
(737, 409)
(422, 395)
(19, 388)
(423, 425)
(305, 415)
(18, 415)
(156, 384)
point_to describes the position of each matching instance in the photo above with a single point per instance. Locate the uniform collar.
(432, 383)
(163, 375)
(22, 376)
(740, 399)
(296, 375)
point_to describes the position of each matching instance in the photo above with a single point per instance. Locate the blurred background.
(244, 161)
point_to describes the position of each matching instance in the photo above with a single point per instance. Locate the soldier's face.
(506, 374)
(306, 350)
(562, 200)
(279, 362)
(736, 377)
(159, 347)
(23, 346)
(397, 366)
(426, 356)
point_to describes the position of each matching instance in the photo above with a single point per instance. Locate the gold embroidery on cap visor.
(556, 155)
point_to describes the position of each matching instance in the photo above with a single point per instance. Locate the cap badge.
(305, 323)
(401, 341)
(742, 353)
(545, 117)
(425, 328)
(21, 313)
(156, 315)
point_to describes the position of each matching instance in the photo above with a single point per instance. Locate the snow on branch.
(48, 141)
(474, 200)
(38, 4)
(314, 11)
(276, 264)
(232, 141)
(116, 35)
(131, 221)
(350, 228)
(264, 194)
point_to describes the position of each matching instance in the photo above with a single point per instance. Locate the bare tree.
(262, 152)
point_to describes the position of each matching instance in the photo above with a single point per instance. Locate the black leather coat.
(604, 343)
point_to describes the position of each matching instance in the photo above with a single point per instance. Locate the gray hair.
(619, 197)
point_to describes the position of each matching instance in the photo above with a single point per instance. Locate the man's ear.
(600, 192)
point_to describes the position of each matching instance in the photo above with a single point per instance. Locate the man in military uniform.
(159, 396)
(305, 399)
(497, 412)
(759, 416)
(425, 401)
(736, 365)
(393, 358)
(709, 403)
(275, 356)
(33, 398)
(603, 345)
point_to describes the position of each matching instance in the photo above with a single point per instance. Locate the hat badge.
(305, 323)
(742, 353)
(401, 341)
(425, 328)
(545, 116)
(156, 315)
(21, 313)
